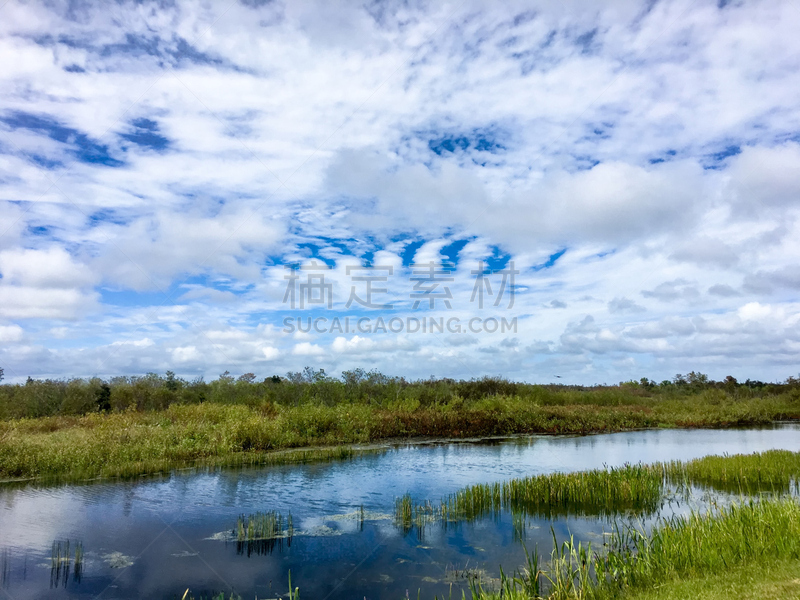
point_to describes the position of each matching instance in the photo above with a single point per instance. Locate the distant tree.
(697, 379)
(247, 377)
(274, 379)
(308, 375)
(679, 379)
(171, 382)
(226, 377)
(103, 397)
(730, 383)
(354, 376)
(312, 375)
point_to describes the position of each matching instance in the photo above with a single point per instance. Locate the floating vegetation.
(62, 560)
(117, 560)
(261, 532)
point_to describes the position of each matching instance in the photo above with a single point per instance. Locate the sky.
(584, 192)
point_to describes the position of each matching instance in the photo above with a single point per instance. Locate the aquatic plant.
(747, 533)
(61, 561)
(294, 594)
(636, 489)
(774, 471)
(262, 531)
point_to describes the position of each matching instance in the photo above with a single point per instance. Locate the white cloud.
(11, 333)
(653, 153)
(307, 349)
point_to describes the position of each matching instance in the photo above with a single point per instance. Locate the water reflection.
(157, 536)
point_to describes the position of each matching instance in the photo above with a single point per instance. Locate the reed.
(677, 549)
(635, 489)
(294, 594)
(260, 532)
(62, 561)
(774, 471)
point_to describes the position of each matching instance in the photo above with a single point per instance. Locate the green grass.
(263, 526)
(682, 552)
(768, 580)
(635, 489)
(133, 442)
(775, 470)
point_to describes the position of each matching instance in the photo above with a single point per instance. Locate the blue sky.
(637, 162)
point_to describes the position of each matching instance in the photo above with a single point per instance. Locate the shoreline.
(311, 454)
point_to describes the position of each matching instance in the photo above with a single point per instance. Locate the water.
(155, 537)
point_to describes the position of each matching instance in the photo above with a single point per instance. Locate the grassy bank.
(777, 579)
(679, 552)
(132, 442)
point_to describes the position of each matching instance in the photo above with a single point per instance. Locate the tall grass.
(133, 442)
(774, 470)
(635, 489)
(700, 544)
(260, 532)
(62, 560)
(677, 548)
(631, 488)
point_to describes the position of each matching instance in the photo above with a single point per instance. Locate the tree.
(172, 383)
(247, 377)
(697, 379)
(1, 373)
(103, 397)
(730, 383)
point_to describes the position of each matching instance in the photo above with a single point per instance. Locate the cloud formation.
(636, 164)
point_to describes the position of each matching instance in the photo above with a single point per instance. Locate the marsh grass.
(676, 549)
(771, 471)
(293, 594)
(244, 424)
(62, 560)
(261, 532)
(632, 489)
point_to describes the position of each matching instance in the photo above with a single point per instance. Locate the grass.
(637, 489)
(772, 580)
(293, 594)
(260, 533)
(774, 470)
(61, 560)
(682, 552)
(132, 442)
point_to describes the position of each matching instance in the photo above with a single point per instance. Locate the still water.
(158, 536)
